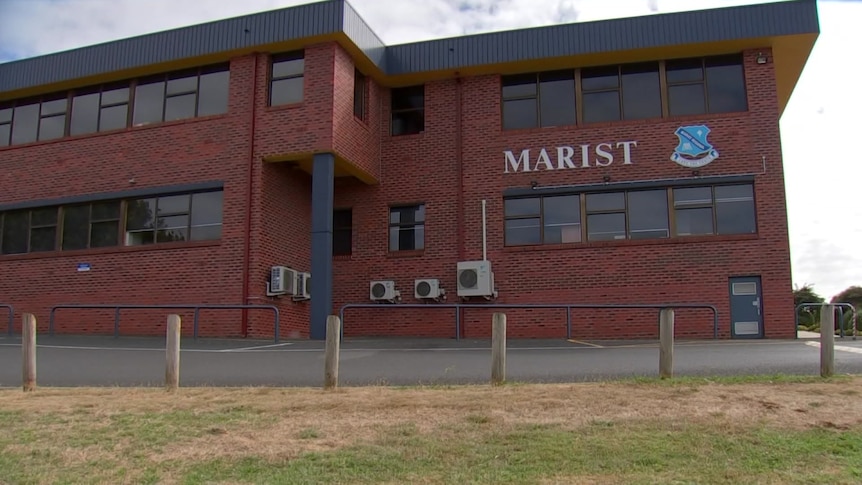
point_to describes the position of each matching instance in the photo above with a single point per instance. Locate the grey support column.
(322, 202)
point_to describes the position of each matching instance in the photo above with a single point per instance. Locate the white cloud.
(818, 128)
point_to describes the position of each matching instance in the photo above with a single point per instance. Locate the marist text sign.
(567, 157)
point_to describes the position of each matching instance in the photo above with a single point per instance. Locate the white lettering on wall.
(627, 150)
(523, 158)
(606, 153)
(564, 157)
(545, 160)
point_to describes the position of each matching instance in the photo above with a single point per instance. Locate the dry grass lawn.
(630, 432)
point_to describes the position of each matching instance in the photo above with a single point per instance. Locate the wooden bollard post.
(333, 347)
(827, 340)
(665, 359)
(172, 353)
(498, 349)
(28, 351)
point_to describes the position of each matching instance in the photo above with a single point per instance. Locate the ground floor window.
(407, 228)
(630, 214)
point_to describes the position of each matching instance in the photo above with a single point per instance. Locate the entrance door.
(746, 313)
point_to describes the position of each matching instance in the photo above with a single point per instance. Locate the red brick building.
(619, 162)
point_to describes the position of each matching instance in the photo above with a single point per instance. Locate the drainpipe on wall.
(249, 185)
(459, 163)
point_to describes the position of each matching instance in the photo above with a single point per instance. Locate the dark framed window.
(342, 232)
(606, 216)
(180, 95)
(29, 231)
(94, 225)
(727, 209)
(407, 228)
(706, 85)
(647, 214)
(173, 218)
(52, 118)
(408, 110)
(5, 124)
(360, 94)
(25, 123)
(542, 220)
(16, 232)
(629, 91)
(538, 99)
(600, 88)
(286, 77)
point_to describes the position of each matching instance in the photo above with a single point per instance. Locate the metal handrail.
(840, 307)
(11, 316)
(567, 307)
(197, 308)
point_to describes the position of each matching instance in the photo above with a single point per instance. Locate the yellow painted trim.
(343, 166)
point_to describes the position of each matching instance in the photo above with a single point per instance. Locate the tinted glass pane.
(173, 222)
(85, 114)
(180, 107)
(206, 233)
(342, 242)
(207, 208)
(726, 88)
(16, 230)
(288, 68)
(149, 102)
(606, 202)
(687, 99)
(182, 85)
(52, 127)
(692, 196)
(523, 231)
(603, 106)
(641, 92)
(557, 102)
(43, 239)
(359, 94)
(106, 210)
(412, 97)
(734, 209)
(25, 124)
(407, 215)
(406, 238)
(408, 122)
(522, 207)
(43, 217)
(137, 238)
(684, 70)
(734, 193)
(105, 234)
(600, 78)
(604, 227)
(5, 115)
(174, 204)
(5, 132)
(519, 86)
(115, 96)
(172, 229)
(113, 118)
(213, 93)
(140, 214)
(519, 113)
(286, 91)
(76, 227)
(648, 216)
(562, 217)
(342, 218)
(54, 107)
(690, 222)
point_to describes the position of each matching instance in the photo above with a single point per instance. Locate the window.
(172, 218)
(52, 118)
(360, 90)
(5, 125)
(93, 225)
(538, 99)
(181, 95)
(710, 85)
(636, 214)
(286, 78)
(601, 93)
(342, 232)
(407, 228)
(29, 231)
(16, 231)
(629, 91)
(25, 123)
(408, 110)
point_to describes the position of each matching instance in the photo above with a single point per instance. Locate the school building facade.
(626, 161)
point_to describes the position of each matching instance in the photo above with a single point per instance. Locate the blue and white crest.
(694, 150)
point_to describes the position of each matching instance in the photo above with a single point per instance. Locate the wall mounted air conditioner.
(282, 281)
(384, 291)
(303, 287)
(475, 278)
(428, 289)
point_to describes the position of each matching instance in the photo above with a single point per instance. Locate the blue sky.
(818, 127)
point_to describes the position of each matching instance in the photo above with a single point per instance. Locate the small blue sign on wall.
(83, 267)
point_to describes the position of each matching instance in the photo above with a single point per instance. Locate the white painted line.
(245, 349)
(842, 348)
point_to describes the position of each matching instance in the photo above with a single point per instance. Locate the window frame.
(282, 57)
(360, 86)
(417, 207)
(342, 230)
(394, 111)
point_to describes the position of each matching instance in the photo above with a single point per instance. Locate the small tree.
(809, 317)
(853, 296)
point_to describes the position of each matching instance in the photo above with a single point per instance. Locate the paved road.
(104, 361)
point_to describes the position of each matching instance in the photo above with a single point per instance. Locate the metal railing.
(196, 308)
(840, 307)
(11, 316)
(558, 306)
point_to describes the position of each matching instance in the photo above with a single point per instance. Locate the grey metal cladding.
(223, 35)
(334, 16)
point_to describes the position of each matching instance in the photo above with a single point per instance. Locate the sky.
(818, 128)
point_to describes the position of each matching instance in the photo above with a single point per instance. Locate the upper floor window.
(100, 109)
(360, 94)
(543, 99)
(342, 232)
(286, 78)
(183, 217)
(408, 110)
(706, 85)
(5, 124)
(725, 209)
(629, 91)
(181, 95)
(407, 228)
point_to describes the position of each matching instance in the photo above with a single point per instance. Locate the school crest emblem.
(694, 150)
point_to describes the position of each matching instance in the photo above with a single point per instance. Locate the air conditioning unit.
(475, 278)
(428, 289)
(303, 287)
(282, 281)
(384, 291)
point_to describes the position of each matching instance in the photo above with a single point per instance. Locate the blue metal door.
(746, 308)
